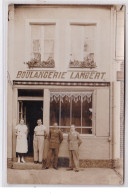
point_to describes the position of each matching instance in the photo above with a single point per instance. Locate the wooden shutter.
(102, 112)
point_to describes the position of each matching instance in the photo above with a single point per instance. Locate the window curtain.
(76, 96)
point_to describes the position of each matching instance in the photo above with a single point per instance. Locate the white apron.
(21, 141)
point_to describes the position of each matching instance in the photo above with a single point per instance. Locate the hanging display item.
(76, 96)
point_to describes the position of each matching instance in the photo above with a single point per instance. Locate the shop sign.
(53, 75)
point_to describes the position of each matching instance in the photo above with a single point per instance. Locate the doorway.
(30, 111)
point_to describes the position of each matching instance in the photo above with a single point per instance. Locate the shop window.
(65, 112)
(76, 112)
(68, 108)
(82, 48)
(54, 114)
(42, 45)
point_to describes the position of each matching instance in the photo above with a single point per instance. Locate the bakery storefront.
(61, 69)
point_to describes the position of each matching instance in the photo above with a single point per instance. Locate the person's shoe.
(55, 167)
(76, 170)
(44, 168)
(22, 160)
(44, 163)
(35, 162)
(69, 169)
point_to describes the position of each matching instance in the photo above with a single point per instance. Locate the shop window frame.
(93, 112)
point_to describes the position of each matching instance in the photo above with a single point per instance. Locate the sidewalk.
(86, 176)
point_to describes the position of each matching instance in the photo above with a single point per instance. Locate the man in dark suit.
(74, 142)
(55, 139)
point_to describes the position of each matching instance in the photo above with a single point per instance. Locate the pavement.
(86, 176)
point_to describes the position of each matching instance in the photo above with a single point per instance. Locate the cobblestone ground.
(88, 176)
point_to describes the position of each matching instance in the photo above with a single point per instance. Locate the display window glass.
(68, 108)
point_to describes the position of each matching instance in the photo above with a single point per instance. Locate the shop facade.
(62, 68)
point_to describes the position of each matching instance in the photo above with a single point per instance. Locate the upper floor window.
(82, 48)
(42, 45)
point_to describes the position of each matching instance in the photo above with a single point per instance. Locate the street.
(86, 176)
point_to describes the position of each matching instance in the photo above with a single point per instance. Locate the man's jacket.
(55, 138)
(74, 140)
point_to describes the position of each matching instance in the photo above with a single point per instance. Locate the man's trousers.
(74, 159)
(38, 145)
(55, 152)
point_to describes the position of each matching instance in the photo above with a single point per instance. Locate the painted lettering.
(97, 76)
(55, 75)
(59, 75)
(45, 74)
(31, 75)
(36, 75)
(19, 74)
(71, 76)
(77, 76)
(91, 76)
(82, 75)
(40, 74)
(23, 74)
(63, 75)
(50, 74)
(27, 74)
(86, 75)
(102, 75)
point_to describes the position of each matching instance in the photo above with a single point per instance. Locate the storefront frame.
(47, 87)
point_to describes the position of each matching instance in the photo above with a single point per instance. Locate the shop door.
(30, 111)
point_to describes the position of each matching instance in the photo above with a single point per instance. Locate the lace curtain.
(82, 42)
(76, 96)
(42, 37)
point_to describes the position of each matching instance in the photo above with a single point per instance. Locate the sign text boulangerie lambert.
(60, 75)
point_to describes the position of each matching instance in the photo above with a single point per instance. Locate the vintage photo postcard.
(65, 94)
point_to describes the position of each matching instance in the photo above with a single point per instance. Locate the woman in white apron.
(21, 140)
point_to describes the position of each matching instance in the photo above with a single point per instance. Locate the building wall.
(122, 132)
(105, 142)
(9, 124)
(92, 148)
(120, 60)
(101, 16)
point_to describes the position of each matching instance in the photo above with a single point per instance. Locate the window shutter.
(102, 112)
